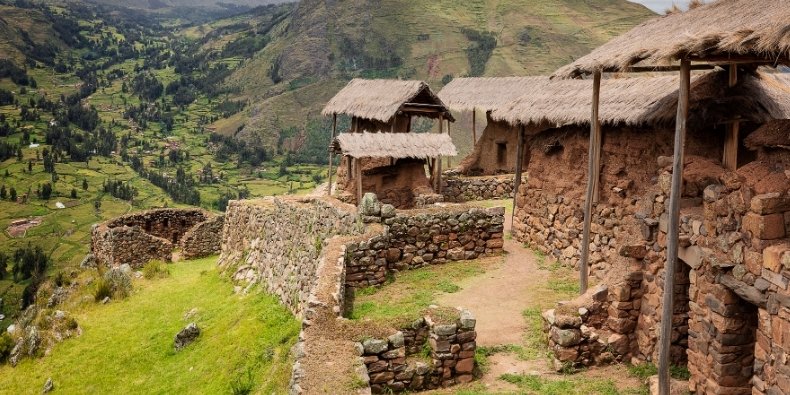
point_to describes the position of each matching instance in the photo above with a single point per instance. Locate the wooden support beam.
(658, 69)
(331, 154)
(349, 174)
(438, 175)
(519, 168)
(474, 126)
(730, 155)
(593, 170)
(448, 133)
(673, 230)
(358, 168)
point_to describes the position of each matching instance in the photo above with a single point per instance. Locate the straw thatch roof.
(486, 93)
(378, 99)
(652, 100)
(720, 30)
(774, 134)
(394, 145)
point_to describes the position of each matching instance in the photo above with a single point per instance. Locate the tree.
(73, 193)
(84, 184)
(3, 265)
(46, 191)
(12, 194)
(97, 204)
(3, 193)
(19, 154)
(30, 166)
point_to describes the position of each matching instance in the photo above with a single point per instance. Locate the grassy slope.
(129, 343)
(12, 21)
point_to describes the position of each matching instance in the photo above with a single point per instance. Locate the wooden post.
(474, 126)
(331, 153)
(593, 164)
(439, 174)
(730, 157)
(517, 180)
(448, 133)
(665, 340)
(358, 168)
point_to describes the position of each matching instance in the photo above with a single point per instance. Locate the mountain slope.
(322, 44)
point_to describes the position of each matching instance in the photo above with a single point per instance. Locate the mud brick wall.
(136, 239)
(464, 189)
(452, 348)
(277, 242)
(203, 239)
(416, 238)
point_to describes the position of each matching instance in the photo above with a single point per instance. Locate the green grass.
(413, 291)
(569, 385)
(128, 345)
(644, 370)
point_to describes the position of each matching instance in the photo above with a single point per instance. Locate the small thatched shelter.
(379, 152)
(495, 151)
(725, 30)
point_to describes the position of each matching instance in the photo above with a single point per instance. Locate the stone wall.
(464, 189)
(396, 182)
(136, 239)
(203, 239)
(451, 340)
(277, 242)
(416, 238)
(494, 152)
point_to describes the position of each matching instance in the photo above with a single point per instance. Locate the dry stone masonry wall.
(136, 239)
(459, 189)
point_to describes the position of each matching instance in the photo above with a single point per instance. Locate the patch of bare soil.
(19, 227)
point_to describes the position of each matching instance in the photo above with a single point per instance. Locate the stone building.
(388, 107)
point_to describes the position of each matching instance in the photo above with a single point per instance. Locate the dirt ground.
(498, 298)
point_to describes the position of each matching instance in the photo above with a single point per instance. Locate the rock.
(675, 387)
(387, 211)
(445, 330)
(48, 386)
(374, 346)
(370, 205)
(126, 269)
(105, 300)
(191, 313)
(467, 320)
(187, 336)
(549, 316)
(88, 262)
(11, 328)
(396, 340)
(566, 321)
(565, 337)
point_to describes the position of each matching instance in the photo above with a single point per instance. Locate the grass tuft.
(155, 269)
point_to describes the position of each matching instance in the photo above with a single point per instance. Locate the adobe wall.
(138, 238)
(459, 189)
(399, 182)
(485, 158)
(732, 302)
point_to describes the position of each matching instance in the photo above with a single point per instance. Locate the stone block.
(772, 257)
(465, 365)
(565, 337)
(770, 203)
(375, 346)
(694, 256)
(766, 227)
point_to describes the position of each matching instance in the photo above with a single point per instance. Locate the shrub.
(155, 269)
(242, 384)
(6, 345)
(120, 282)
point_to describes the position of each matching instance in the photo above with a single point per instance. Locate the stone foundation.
(136, 239)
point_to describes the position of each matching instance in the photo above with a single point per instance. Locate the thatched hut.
(403, 178)
(386, 108)
(495, 150)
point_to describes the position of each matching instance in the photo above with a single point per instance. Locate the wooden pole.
(474, 126)
(331, 154)
(517, 180)
(594, 163)
(358, 168)
(448, 133)
(665, 341)
(730, 156)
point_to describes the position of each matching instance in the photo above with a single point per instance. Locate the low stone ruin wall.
(136, 239)
(277, 242)
(417, 238)
(303, 250)
(452, 355)
(458, 189)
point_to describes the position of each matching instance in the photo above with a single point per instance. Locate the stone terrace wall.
(459, 189)
(416, 238)
(203, 239)
(277, 242)
(135, 239)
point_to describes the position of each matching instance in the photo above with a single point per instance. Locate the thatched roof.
(722, 29)
(652, 100)
(486, 93)
(378, 99)
(774, 134)
(394, 145)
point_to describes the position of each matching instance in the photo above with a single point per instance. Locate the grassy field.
(127, 345)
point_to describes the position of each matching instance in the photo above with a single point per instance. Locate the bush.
(156, 269)
(6, 345)
(120, 282)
